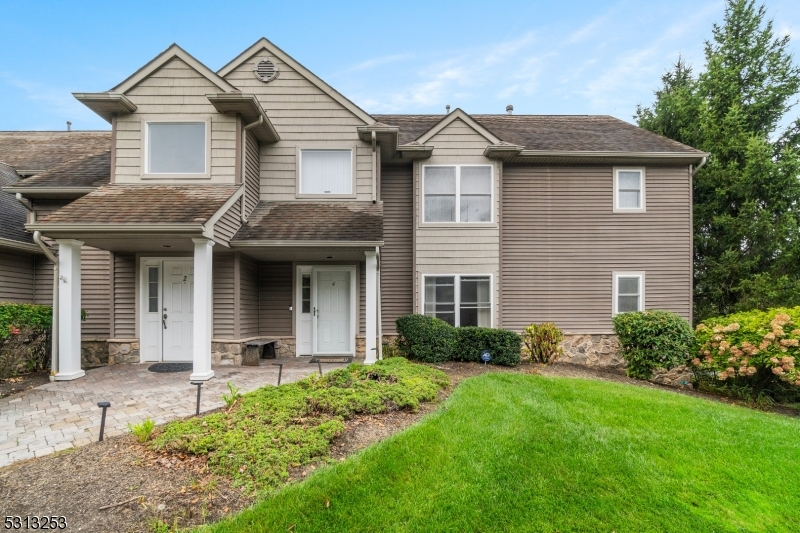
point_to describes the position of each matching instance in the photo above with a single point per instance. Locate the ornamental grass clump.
(542, 343)
(272, 429)
(755, 351)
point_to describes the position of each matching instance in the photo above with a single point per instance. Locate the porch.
(62, 415)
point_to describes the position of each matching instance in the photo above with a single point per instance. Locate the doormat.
(164, 368)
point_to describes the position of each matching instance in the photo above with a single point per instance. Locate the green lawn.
(510, 452)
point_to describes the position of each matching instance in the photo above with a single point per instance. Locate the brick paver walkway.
(60, 415)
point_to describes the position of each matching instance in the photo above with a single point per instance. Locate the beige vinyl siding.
(174, 91)
(96, 292)
(224, 296)
(43, 281)
(275, 299)
(304, 116)
(248, 297)
(124, 296)
(456, 249)
(561, 243)
(228, 224)
(252, 173)
(397, 254)
(17, 277)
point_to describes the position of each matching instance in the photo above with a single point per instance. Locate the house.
(257, 201)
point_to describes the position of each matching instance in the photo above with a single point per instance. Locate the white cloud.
(56, 101)
(378, 61)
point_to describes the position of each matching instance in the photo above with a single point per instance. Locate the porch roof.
(312, 223)
(143, 204)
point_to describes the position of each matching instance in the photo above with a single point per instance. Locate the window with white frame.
(459, 300)
(628, 292)
(326, 172)
(457, 193)
(176, 148)
(629, 190)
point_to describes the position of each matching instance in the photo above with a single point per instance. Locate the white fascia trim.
(157, 62)
(208, 227)
(455, 115)
(100, 228)
(264, 44)
(52, 190)
(306, 244)
(602, 154)
(21, 246)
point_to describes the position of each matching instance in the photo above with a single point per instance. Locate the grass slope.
(510, 452)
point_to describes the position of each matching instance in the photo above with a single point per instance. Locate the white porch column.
(69, 310)
(201, 336)
(371, 298)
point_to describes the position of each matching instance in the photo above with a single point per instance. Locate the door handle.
(315, 311)
(164, 320)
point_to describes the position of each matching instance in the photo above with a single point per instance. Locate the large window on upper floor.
(457, 193)
(629, 190)
(176, 148)
(326, 172)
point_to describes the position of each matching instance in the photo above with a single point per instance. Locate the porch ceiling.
(331, 255)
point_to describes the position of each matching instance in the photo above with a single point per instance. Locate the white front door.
(178, 302)
(331, 312)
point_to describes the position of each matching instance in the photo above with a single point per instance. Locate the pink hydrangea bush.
(755, 348)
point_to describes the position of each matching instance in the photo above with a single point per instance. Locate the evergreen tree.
(747, 197)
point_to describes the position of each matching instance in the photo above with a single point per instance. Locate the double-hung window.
(459, 300)
(628, 292)
(629, 194)
(457, 193)
(176, 148)
(326, 172)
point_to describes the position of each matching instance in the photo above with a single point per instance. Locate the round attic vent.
(265, 70)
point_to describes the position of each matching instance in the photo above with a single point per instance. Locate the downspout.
(701, 165)
(244, 161)
(374, 168)
(380, 325)
(37, 238)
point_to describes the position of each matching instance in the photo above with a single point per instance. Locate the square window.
(629, 190)
(176, 147)
(628, 293)
(326, 172)
(460, 193)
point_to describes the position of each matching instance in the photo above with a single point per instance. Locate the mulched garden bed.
(119, 485)
(17, 384)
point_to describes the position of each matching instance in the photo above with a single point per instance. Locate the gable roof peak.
(264, 44)
(452, 116)
(171, 52)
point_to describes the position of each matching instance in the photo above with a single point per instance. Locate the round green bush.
(653, 339)
(424, 338)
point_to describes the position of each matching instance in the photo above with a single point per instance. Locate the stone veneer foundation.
(592, 350)
(123, 351)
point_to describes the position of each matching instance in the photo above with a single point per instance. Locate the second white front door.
(177, 310)
(333, 311)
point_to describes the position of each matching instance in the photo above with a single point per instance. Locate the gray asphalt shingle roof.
(43, 150)
(88, 171)
(550, 132)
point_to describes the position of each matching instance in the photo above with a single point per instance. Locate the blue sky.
(566, 57)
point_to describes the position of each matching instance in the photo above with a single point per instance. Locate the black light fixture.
(166, 246)
(328, 257)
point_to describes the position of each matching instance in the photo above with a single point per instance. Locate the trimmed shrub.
(542, 342)
(503, 345)
(428, 339)
(24, 338)
(424, 338)
(23, 316)
(754, 352)
(653, 339)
